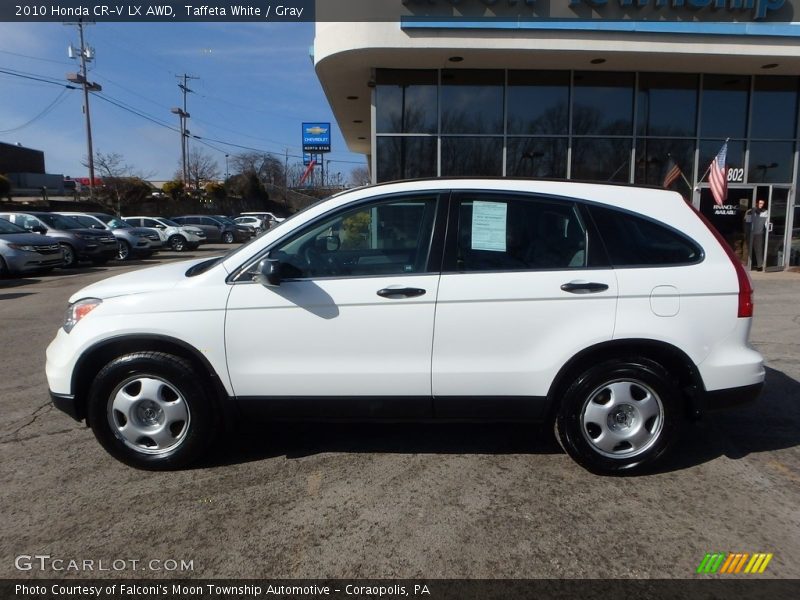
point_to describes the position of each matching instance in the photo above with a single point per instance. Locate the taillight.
(745, 284)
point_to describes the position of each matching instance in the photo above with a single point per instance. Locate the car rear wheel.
(123, 250)
(70, 258)
(177, 243)
(619, 416)
(151, 411)
(227, 237)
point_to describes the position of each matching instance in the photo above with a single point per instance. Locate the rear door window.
(512, 233)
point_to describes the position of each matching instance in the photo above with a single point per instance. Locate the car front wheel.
(150, 410)
(177, 243)
(227, 237)
(619, 416)
(123, 250)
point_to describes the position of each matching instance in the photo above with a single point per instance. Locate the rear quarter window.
(634, 241)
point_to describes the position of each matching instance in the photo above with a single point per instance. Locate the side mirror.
(160, 226)
(97, 226)
(269, 272)
(37, 229)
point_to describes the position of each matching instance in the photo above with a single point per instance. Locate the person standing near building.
(756, 221)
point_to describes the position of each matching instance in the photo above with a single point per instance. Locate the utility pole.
(184, 115)
(86, 54)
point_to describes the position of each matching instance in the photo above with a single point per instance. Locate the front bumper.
(67, 403)
(29, 262)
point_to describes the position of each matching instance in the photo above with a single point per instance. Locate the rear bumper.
(730, 398)
(66, 403)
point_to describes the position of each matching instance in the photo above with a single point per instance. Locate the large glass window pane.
(536, 157)
(405, 157)
(771, 162)
(379, 239)
(406, 101)
(774, 108)
(538, 102)
(601, 159)
(724, 109)
(654, 160)
(603, 103)
(667, 104)
(472, 101)
(472, 156)
(498, 234)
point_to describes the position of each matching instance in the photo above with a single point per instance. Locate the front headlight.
(78, 310)
(23, 247)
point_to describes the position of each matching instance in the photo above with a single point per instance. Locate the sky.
(256, 86)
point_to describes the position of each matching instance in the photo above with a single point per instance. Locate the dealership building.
(603, 91)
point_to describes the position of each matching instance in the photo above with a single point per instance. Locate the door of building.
(775, 234)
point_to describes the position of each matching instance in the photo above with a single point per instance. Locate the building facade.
(601, 91)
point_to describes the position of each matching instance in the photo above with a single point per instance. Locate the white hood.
(161, 277)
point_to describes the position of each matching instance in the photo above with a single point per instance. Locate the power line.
(36, 78)
(50, 60)
(41, 115)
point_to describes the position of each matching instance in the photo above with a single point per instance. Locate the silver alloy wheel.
(123, 250)
(622, 418)
(227, 237)
(148, 414)
(69, 255)
(178, 243)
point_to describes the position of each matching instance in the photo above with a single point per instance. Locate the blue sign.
(316, 137)
(306, 159)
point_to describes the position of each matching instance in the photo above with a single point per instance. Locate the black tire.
(123, 250)
(620, 416)
(177, 243)
(70, 258)
(4, 272)
(227, 237)
(163, 388)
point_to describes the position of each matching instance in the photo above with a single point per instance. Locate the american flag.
(718, 176)
(673, 172)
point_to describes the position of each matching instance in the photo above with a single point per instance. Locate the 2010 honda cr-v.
(614, 311)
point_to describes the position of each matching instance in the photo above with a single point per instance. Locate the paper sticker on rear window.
(489, 226)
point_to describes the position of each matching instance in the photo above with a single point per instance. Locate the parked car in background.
(269, 217)
(22, 252)
(256, 224)
(133, 242)
(243, 229)
(610, 313)
(216, 229)
(77, 242)
(175, 236)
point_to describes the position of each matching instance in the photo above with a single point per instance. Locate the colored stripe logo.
(734, 563)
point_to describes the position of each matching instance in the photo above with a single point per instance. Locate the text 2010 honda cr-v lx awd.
(615, 311)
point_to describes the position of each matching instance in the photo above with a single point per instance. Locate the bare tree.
(267, 167)
(201, 168)
(360, 176)
(121, 184)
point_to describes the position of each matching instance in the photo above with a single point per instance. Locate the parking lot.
(390, 500)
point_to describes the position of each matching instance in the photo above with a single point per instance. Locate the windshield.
(225, 220)
(169, 223)
(86, 221)
(115, 223)
(60, 221)
(8, 227)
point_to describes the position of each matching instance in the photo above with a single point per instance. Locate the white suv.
(615, 312)
(177, 237)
